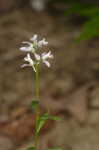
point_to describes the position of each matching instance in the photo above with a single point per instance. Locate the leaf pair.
(42, 120)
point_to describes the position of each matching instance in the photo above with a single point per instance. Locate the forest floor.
(70, 88)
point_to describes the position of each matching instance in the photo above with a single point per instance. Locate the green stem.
(37, 90)
(37, 82)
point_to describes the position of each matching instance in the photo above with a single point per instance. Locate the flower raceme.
(38, 58)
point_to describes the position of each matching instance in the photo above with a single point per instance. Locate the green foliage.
(34, 104)
(42, 120)
(90, 27)
(31, 148)
(55, 118)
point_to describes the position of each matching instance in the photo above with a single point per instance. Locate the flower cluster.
(33, 47)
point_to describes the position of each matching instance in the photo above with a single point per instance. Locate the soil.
(69, 88)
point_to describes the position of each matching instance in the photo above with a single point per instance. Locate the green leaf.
(35, 104)
(77, 8)
(45, 116)
(90, 26)
(57, 148)
(41, 121)
(40, 125)
(31, 148)
(90, 30)
(55, 118)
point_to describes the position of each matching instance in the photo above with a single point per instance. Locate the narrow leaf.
(40, 125)
(55, 118)
(41, 121)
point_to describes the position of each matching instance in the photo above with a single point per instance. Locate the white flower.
(47, 55)
(43, 58)
(37, 43)
(42, 43)
(31, 63)
(34, 45)
(28, 48)
(34, 38)
(37, 57)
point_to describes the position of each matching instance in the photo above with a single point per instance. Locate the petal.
(25, 49)
(26, 42)
(25, 58)
(42, 42)
(34, 68)
(29, 60)
(51, 56)
(46, 55)
(37, 57)
(28, 56)
(43, 54)
(45, 42)
(34, 38)
(25, 65)
(47, 63)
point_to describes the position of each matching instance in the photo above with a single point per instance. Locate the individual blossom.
(28, 48)
(42, 43)
(44, 58)
(37, 43)
(34, 38)
(30, 61)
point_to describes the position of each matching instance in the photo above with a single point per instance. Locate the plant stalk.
(37, 112)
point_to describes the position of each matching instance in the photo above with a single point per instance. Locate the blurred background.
(70, 88)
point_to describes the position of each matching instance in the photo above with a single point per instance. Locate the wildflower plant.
(34, 59)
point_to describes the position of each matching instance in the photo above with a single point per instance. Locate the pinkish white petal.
(29, 59)
(27, 48)
(37, 57)
(46, 63)
(25, 65)
(47, 55)
(26, 42)
(42, 43)
(34, 38)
